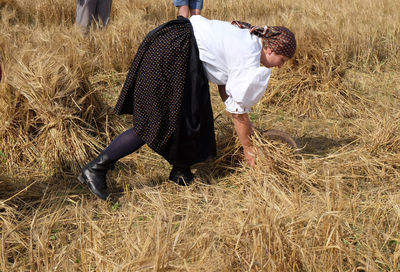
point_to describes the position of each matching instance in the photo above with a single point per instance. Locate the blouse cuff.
(234, 107)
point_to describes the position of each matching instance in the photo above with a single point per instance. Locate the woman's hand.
(250, 155)
(244, 130)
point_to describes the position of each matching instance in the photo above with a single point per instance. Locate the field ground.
(334, 205)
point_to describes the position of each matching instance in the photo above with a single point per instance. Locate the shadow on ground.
(321, 145)
(15, 191)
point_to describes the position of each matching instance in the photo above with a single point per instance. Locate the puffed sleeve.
(245, 87)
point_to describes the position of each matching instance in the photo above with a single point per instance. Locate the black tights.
(127, 143)
(123, 145)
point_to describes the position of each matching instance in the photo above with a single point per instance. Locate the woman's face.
(271, 59)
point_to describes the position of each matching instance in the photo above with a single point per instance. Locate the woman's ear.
(266, 51)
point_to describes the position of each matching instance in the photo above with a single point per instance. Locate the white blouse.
(231, 57)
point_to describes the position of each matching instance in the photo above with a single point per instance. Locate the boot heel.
(82, 179)
(94, 175)
(181, 175)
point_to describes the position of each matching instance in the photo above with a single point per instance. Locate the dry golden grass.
(332, 206)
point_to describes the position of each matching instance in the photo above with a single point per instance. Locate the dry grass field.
(334, 205)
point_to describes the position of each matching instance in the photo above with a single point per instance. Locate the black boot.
(181, 175)
(94, 175)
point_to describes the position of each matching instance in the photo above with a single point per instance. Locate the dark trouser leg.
(94, 173)
(85, 9)
(103, 11)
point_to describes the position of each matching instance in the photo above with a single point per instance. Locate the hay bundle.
(53, 119)
(313, 83)
(41, 12)
(381, 134)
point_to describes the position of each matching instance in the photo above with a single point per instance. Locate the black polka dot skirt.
(167, 92)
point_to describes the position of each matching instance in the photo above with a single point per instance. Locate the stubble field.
(332, 206)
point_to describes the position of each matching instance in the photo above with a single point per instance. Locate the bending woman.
(167, 92)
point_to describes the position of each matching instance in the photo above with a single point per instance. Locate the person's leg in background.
(183, 7)
(103, 12)
(85, 10)
(195, 7)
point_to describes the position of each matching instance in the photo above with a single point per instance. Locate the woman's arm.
(243, 129)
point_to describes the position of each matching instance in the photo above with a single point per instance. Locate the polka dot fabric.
(278, 38)
(154, 87)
